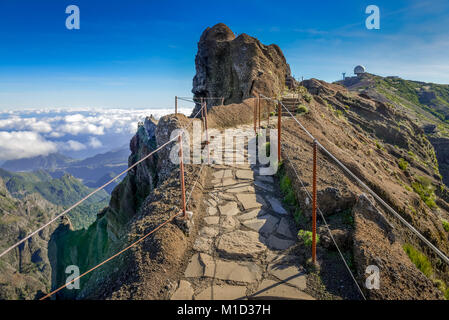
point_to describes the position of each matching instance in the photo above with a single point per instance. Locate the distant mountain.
(426, 103)
(50, 162)
(64, 192)
(93, 171)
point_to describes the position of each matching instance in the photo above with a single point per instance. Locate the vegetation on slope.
(64, 192)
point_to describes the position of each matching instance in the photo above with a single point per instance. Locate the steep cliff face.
(389, 152)
(111, 231)
(25, 272)
(237, 68)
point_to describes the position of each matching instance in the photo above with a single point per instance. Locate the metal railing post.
(258, 107)
(207, 135)
(314, 202)
(183, 188)
(255, 116)
(279, 131)
(176, 104)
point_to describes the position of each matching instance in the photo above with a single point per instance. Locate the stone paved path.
(240, 248)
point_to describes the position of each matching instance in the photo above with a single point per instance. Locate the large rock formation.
(237, 68)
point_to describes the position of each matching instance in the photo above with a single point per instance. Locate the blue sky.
(140, 54)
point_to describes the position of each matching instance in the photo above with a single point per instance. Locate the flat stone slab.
(265, 179)
(183, 292)
(265, 225)
(203, 244)
(219, 174)
(229, 223)
(284, 229)
(251, 215)
(277, 243)
(241, 189)
(211, 211)
(228, 182)
(241, 243)
(244, 174)
(200, 265)
(277, 206)
(232, 271)
(229, 209)
(263, 186)
(289, 274)
(209, 232)
(212, 220)
(249, 201)
(223, 292)
(270, 289)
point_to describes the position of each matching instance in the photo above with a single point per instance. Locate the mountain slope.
(426, 103)
(25, 272)
(64, 192)
(93, 171)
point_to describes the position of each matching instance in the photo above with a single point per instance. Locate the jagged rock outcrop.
(129, 200)
(236, 68)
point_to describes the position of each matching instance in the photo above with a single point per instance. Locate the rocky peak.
(236, 68)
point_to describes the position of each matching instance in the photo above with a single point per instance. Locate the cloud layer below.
(73, 132)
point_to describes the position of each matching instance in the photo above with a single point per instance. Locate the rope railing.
(92, 193)
(184, 203)
(378, 198)
(128, 247)
(370, 191)
(328, 229)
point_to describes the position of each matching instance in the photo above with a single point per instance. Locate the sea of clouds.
(76, 132)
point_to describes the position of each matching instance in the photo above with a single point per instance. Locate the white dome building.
(358, 70)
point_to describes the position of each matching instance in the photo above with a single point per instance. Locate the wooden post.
(176, 104)
(314, 202)
(279, 131)
(183, 188)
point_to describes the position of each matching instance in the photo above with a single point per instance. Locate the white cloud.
(71, 145)
(95, 143)
(23, 144)
(70, 130)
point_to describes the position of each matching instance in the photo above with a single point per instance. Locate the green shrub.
(379, 145)
(297, 215)
(403, 164)
(424, 188)
(302, 109)
(308, 97)
(286, 184)
(445, 225)
(348, 218)
(306, 236)
(290, 198)
(418, 259)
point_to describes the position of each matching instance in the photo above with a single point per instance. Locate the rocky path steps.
(241, 251)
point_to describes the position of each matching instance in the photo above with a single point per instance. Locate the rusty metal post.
(258, 107)
(176, 104)
(269, 111)
(207, 136)
(279, 131)
(183, 187)
(314, 202)
(255, 117)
